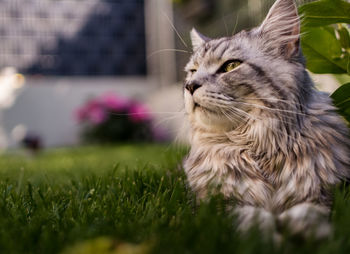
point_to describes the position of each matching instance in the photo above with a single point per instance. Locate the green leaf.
(323, 51)
(344, 40)
(341, 99)
(325, 12)
(344, 36)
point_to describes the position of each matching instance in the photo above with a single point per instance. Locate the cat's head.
(232, 79)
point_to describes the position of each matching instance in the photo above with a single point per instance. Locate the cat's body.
(261, 134)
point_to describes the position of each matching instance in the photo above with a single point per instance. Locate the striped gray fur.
(261, 133)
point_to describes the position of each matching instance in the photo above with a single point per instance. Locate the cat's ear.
(281, 27)
(197, 39)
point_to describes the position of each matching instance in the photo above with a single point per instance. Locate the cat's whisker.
(236, 23)
(266, 117)
(275, 99)
(148, 112)
(168, 50)
(223, 20)
(166, 120)
(222, 97)
(225, 107)
(231, 109)
(236, 111)
(262, 121)
(229, 105)
(273, 109)
(176, 31)
(236, 114)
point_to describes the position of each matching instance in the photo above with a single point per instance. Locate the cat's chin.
(204, 110)
(210, 120)
(207, 118)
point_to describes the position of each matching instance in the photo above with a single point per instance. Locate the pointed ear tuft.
(281, 28)
(197, 39)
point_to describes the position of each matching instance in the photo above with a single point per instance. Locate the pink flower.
(97, 115)
(139, 113)
(113, 102)
(96, 111)
(92, 104)
(92, 111)
(81, 115)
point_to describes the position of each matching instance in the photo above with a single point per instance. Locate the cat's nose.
(192, 87)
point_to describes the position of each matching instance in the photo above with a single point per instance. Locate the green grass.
(127, 197)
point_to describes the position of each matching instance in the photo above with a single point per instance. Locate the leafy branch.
(326, 44)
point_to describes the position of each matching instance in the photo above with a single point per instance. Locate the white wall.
(47, 106)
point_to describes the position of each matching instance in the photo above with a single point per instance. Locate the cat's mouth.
(200, 107)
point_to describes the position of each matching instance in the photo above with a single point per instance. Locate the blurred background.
(75, 71)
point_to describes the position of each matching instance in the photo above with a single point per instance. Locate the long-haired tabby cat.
(261, 134)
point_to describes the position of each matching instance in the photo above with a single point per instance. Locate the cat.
(261, 134)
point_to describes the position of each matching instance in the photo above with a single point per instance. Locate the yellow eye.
(229, 65)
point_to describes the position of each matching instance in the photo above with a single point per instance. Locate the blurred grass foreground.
(126, 199)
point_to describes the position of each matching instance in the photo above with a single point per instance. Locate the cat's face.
(231, 79)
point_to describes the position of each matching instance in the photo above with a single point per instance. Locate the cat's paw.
(306, 220)
(249, 217)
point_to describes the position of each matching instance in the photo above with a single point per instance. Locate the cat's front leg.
(307, 220)
(249, 217)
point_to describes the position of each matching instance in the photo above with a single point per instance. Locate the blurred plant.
(180, 1)
(32, 142)
(326, 44)
(110, 118)
(10, 83)
(106, 245)
(201, 10)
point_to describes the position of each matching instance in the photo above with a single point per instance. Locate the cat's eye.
(229, 66)
(193, 71)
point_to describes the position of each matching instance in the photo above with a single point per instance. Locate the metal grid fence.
(73, 37)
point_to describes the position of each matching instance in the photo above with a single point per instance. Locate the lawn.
(126, 199)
